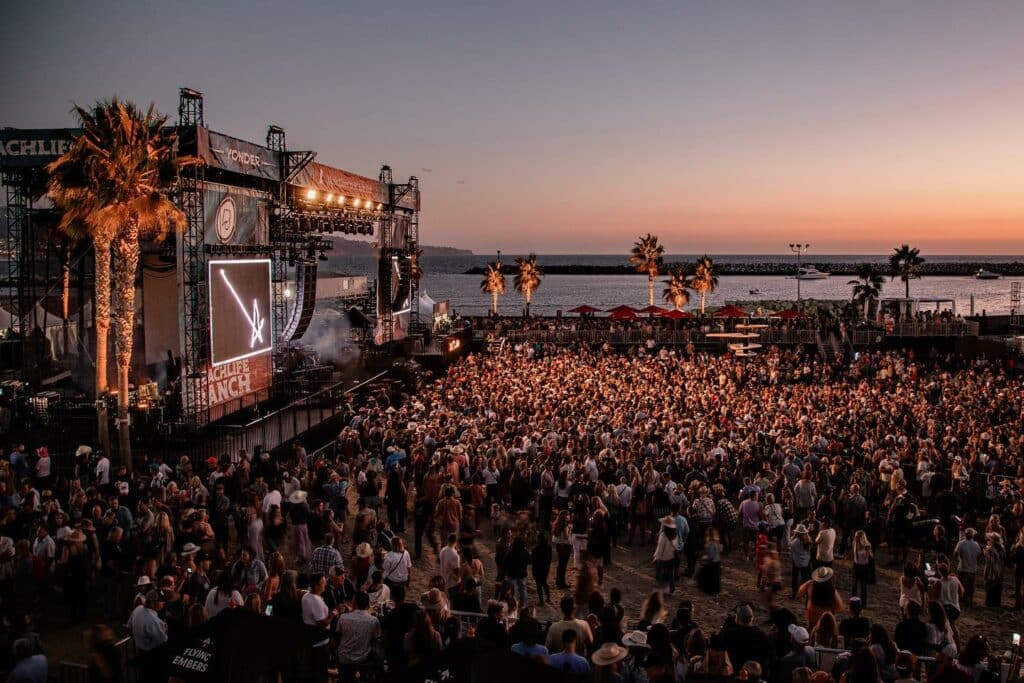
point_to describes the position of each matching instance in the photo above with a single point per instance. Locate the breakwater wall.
(964, 268)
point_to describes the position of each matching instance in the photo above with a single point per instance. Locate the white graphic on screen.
(256, 320)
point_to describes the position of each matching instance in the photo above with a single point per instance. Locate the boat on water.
(811, 273)
(755, 291)
(983, 274)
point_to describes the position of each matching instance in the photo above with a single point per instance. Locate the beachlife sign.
(30, 148)
(238, 381)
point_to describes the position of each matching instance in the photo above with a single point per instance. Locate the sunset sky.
(561, 127)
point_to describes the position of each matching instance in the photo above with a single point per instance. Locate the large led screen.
(239, 309)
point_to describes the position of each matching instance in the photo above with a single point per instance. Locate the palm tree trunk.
(867, 304)
(101, 315)
(125, 268)
(702, 295)
(650, 290)
(494, 303)
(65, 296)
(529, 295)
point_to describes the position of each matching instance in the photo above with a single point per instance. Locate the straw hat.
(668, 521)
(189, 549)
(76, 536)
(364, 550)
(297, 497)
(822, 574)
(635, 639)
(609, 653)
(432, 600)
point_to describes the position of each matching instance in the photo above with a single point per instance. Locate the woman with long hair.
(254, 528)
(273, 531)
(561, 538)
(652, 612)
(422, 641)
(287, 602)
(222, 596)
(821, 595)
(885, 652)
(665, 555)
(863, 668)
(940, 639)
(911, 587)
(826, 632)
(863, 555)
(275, 570)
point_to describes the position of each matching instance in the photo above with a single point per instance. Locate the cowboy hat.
(668, 521)
(609, 653)
(364, 550)
(189, 549)
(635, 639)
(143, 581)
(432, 600)
(297, 497)
(76, 536)
(822, 574)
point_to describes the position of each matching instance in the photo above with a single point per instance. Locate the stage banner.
(235, 215)
(238, 156)
(393, 294)
(31, 148)
(238, 382)
(338, 182)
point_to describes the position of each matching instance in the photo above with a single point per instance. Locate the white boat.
(986, 275)
(755, 292)
(811, 273)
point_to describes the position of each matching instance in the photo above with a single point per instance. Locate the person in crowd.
(821, 595)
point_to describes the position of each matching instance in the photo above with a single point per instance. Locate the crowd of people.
(427, 534)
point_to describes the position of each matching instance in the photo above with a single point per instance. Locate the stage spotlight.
(355, 203)
(310, 194)
(330, 198)
(341, 200)
(379, 206)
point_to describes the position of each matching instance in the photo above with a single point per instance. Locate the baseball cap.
(799, 634)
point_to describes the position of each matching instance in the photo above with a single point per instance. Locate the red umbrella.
(789, 314)
(731, 311)
(585, 309)
(623, 313)
(676, 314)
(656, 310)
(619, 309)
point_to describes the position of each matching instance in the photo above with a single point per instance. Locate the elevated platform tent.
(917, 303)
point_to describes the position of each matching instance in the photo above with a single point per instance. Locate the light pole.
(798, 249)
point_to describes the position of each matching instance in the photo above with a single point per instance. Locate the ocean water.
(444, 278)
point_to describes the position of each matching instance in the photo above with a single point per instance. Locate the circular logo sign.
(226, 220)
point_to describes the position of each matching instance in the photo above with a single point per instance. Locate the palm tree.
(646, 257)
(528, 278)
(704, 280)
(905, 263)
(111, 186)
(868, 286)
(677, 288)
(494, 283)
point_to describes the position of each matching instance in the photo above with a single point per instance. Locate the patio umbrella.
(623, 313)
(676, 314)
(653, 310)
(619, 309)
(731, 311)
(789, 314)
(585, 309)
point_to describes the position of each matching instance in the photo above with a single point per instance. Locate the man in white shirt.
(272, 498)
(44, 548)
(967, 553)
(103, 471)
(314, 609)
(826, 542)
(450, 562)
(148, 629)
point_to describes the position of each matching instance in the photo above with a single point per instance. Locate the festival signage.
(31, 148)
(239, 381)
(237, 156)
(234, 215)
